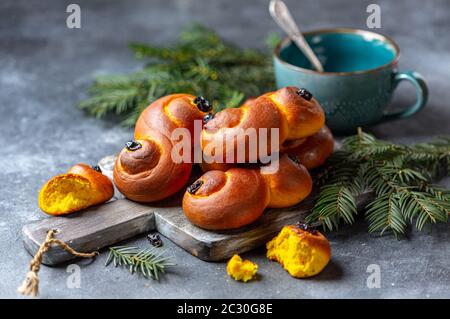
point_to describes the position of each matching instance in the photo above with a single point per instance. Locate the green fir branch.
(400, 176)
(336, 203)
(148, 262)
(200, 63)
(385, 213)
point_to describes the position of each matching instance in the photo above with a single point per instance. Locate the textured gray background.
(46, 68)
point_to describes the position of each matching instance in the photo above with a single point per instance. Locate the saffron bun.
(294, 112)
(289, 184)
(206, 167)
(315, 149)
(81, 187)
(221, 200)
(311, 151)
(145, 170)
(226, 200)
(148, 173)
(291, 144)
(302, 252)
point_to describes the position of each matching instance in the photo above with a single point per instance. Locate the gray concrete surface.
(46, 68)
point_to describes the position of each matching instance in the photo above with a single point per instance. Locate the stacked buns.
(294, 113)
(234, 198)
(229, 194)
(145, 170)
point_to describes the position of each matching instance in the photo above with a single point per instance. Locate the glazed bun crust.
(291, 144)
(288, 185)
(97, 179)
(206, 167)
(168, 113)
(233, 127)
(79, 188)
(146, 172)
(315, 150)
(237, 197)
(305, 117)
(315, 240)
(226, 200)
(293, 115)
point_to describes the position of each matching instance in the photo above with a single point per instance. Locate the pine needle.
(200, 63)
(400, 176)
(148, 262)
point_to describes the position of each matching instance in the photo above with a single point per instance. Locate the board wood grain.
(120, 219)
(91, 229)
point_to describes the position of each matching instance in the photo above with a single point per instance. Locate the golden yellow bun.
(144, 170)
(238, 196)
(295, 114)
(226, 200)
(290, 184)
(206, 167)
(79, 188)
(311, 151)
(291, 144)
(301, 252)
(148, 173)
(168, 113)
(315, 149)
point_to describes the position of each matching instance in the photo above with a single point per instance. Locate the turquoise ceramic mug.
(359, 79)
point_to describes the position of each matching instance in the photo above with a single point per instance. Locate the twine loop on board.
(30, 285)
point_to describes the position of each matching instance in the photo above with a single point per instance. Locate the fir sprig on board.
(200, 63)
(400, 176)
(148, 262)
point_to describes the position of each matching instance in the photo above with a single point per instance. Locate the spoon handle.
(280, 13)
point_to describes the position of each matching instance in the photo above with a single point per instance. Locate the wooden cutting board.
(120, 219)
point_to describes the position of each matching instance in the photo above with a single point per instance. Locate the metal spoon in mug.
(280, 13)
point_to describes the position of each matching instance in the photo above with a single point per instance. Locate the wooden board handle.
(91, 229)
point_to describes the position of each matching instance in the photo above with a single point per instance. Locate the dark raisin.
(306, 227)
(294, 159)
(133, 145)
(208, 117)
(194, 187)
(96, 168)
(304, 93)
(154, 240)
(203, 104)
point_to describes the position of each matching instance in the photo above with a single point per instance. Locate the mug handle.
(421, 93)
